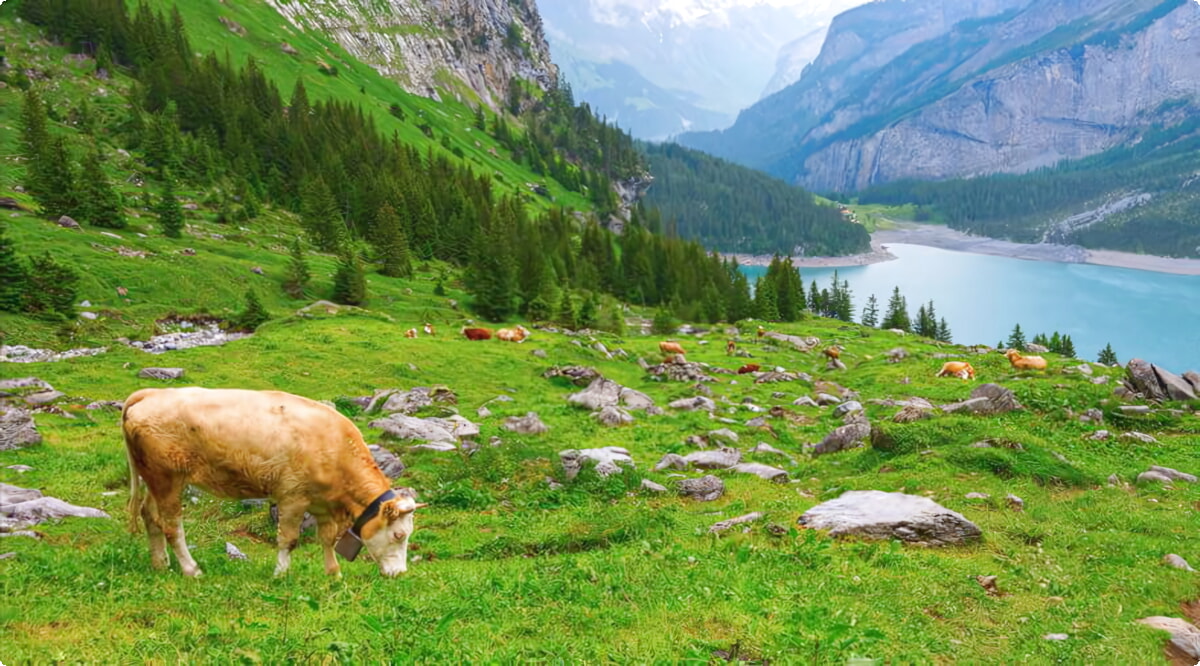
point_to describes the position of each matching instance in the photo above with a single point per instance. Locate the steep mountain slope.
(464, 48)
(935, 89)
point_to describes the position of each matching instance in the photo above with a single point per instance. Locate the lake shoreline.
(945, 238)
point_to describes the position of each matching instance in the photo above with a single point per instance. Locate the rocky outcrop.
(878, 515)
(607, 461)
(1157, 383)
(443, 47)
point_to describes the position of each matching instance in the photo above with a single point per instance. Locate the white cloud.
(676, 12)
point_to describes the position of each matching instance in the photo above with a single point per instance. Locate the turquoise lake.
(1154, 316)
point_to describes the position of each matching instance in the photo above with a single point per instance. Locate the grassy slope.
(510, 569)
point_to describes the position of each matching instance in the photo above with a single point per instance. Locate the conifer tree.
(50, 289)
(943, 331)
(1068, 347)
(564, 314)
(1107, 356)
(922, 322)
(298, 274)
(350, 280)
(588, 312)
(253, 315)
(897, 313)
(1016, 339)
(99, 203)
(35, 149)
(170, 214)
(12, 274)
(765, 303)
(492, 274)
(59, 183)
(319, 214)
(870, 315)
(393, 245)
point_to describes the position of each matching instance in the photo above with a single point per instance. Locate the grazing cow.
(517, 334)
(833, 352)
(428, 328)
(761, 332)
(670, 348)
(730, 347)
(1020, 362)
(748, 368)
(410, 333)
(477, 333)
(248, 444)
(960, 369)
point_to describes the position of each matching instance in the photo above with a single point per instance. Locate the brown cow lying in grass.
(960, 369)
(517, 334)
(1020, 362)
(250, 444)
(477, 333)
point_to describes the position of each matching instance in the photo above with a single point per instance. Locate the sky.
(621, 12)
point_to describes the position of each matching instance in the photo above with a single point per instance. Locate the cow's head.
(386, 535)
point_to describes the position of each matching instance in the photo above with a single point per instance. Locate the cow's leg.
(291, 512)
(327, 531)
(158, 543)
(170, 520)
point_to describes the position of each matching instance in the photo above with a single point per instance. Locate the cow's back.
(240, 443)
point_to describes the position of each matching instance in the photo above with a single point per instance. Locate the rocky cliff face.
(464, 48)
(948, 89)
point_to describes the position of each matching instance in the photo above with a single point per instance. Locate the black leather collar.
(371, 511)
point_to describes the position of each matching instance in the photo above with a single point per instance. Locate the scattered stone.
(529, 424)
(765, 472)
(539, 353)
(232, 26)
(1056, 637)
(1193, 378)
(988, 583)
(43, 398)
(578, 375)
(1114, 480)
(17, 429)
(1092, 415)
(440, 447)
(1015, 503)
(1099, 435)
(879, 515)
(23, 354)
(387, 461)
(7, 556)
(681, 372)
(911, 413)
(90, 316)
(763, 447)
(693, 404)
(554, 485)
(1135, 410)
(1157, 383)
(895, 355)
(805, 401)
(288, 49)
(395, 401)
(1178, 562)
(704, 489)
(635, 399)
(600, 393)
(825, 399)
(724, 435)
(717, 528)
(28, 506)
(1165, 475)
(981, 496)
(835, 364)
(671, 461)
(653, 487)
(1099, 380)
(232, 552)
(1000, 399)
(401, 426)
(757, 422)
(722, 458)
(776, 376)
(1139, 436)
(20, 469)
(67, 222)
(613, 416)
(483, 412)
(845, 408)
(608, 460)
(849, 436)
(801, 344)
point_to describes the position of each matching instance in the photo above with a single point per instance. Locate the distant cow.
(748, 368)
(477, 333)
(834, 352)
(960, 369)
(670, 348)
(730, 347)
(1020, 362)
(428, 328)
(517, 334)
(410, 333)
(761, 332)
(249, 444)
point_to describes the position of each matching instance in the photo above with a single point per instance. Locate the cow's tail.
(137, 486)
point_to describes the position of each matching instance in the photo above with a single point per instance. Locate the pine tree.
(60, 183)
(588, 312)
(35, 149)
(1054, 343)
(492, 274)
(393, 245)
(350, 280)
(1068, 347)
(1016, 339)
(897, 313)
(12, 274)
(1108, 356)
(943, 331)
(99, 203)
(50, 289)
(253, 316)
(298, 274)
(564, 314)
(319, 214)
(870, 315)
(170, 214)
(765, 303)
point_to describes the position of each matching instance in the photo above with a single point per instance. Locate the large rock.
(23, 386)
(613, 416)
(845, 437)
(671, 461)
(1193, 378)
(387, 461)
(39, 509)
(529, 424)
(577, 374)
(723, 436)
(721, 458)
(704, 489)
(392, 401)
(599, 394)
(879, 515)
(681, 372)
(161, 373)
(635, 399)
(692, 404)
(608, 460)
(1176, 387)
(17, 429)
(44, 398)
(10, 494)
(401, 426)
(1184, 644)
(1000, 399)
(1158, 474)
(848, 407)
(717, 528)
(1145, 378)
(761, 471)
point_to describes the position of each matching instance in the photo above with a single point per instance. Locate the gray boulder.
(845, 437)
(1173, 560)
(723, 436)
(161, 373)
(577, 374)
(692, 404)
(450, 429)
(1140, 437)
(671, 461)
(608, 460)
(233, 553)
(1176, 387)
(1164, 475)
(22, 386)
(529, 424)
(763, 447)
(722, 458)
(1000, 399)
(1145, 380)
(724, 525)
(1193, 378)
(105, 404)
(825, 399)
(805, 401)
(1184, 645)
(599, 394)
(44, 398)
(653, 487)
(17, 429)
(40, 509)
(395, 401)
(847, 408)
(704, 489)
(635, 399)
(762, 471)
(613, 416)
(387, 461)
(874, 514)
(10, 494)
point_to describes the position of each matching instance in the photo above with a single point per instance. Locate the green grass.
(511, 570)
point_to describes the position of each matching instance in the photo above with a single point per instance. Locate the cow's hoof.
(194, 573)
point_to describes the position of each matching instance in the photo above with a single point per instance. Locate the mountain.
(703, 59)
(468, 49)
(933, 89)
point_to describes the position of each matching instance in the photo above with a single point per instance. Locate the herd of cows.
(305, 456)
